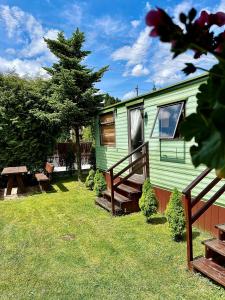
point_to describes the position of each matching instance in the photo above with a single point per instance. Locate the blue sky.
(115, 33)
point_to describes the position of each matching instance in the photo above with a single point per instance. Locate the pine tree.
(99, 183)
(148, 202)
(175, 215)
(89, 182)
(73, 84)
(109, 100)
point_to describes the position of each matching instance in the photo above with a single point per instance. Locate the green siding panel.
(164, 172)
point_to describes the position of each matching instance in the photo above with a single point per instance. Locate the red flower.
(157, 18)
(211, 19)
(203, 19)
(220, 39)
(218, 18)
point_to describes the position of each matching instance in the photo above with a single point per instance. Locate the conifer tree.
(73, 84)
(175, 215)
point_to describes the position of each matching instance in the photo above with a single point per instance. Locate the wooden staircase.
(213, 264)
(126, 196)
(126, 185)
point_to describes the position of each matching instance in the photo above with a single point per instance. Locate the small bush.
(89, 182)
(175, 215)
(148, 202)
(99, 183)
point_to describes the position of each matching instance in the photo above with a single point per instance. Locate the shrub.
(29, 122)
(99, 183)
(175, 215)
(89, 182)
(148, 202)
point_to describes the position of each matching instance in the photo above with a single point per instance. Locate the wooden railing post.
(187, 204)
(112, 191)
(147, 161)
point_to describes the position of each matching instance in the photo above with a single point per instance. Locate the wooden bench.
(44, 179)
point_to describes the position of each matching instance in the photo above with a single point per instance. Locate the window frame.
(107, 123)
(182, 111)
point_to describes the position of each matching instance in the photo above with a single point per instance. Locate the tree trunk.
(79, 170)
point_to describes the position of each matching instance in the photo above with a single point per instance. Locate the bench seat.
(41, 177)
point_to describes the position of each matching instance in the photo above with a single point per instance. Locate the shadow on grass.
(68, 178)
(195, 234)
(62, 187)
(51, 190)
(157, 220)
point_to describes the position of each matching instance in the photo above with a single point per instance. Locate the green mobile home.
(154, 118)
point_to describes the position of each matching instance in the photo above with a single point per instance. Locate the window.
(167, 120)
(107, 129)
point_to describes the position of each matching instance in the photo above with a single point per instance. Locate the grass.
(61, 246)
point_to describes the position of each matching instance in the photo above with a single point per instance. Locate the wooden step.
(221, 231)
(127, 190)
(216, 246)
(210, 269)
(220, 227)
(128, 205)
(118, 197)
(104, 203)
(138, 179)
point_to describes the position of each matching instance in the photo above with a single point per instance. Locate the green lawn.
(61, 246)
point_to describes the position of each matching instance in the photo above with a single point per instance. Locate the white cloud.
(147, 6)
(136, 53)
(139, 70)
(183, 7)
(23, 67)
(38, 46)
(28, 30)
(10, 51)
(31, 52)
(109, 25)
(221, 6)
(165, 70)
(11, 17)
(73, 14)
(135, 23)
(129, 95)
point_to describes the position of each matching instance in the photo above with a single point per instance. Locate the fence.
(64, 155)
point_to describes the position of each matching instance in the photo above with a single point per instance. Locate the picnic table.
(15, 176)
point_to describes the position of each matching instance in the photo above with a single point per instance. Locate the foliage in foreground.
(175, 215)
(207, 124)
(29, 125)
(99, 183)
(89, 182)
(148, 202)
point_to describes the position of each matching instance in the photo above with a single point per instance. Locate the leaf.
(190, 68)
(183, 18)
(192, 14)
(193, 126)
(210, 152)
